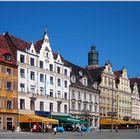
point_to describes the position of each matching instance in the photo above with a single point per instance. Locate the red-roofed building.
(8, 86)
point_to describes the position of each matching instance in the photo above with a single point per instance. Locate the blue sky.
(114, 27)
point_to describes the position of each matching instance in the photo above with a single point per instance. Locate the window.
(41, 90)
(65, 109)
(51, 107)
(79, 96)
(1, 125)
(84, 96)
(95, 109)
(58, 107)
(51, 93)
(32, 88)
(73, 106)
(59, 82)
(32, 61)
(32, 75)
(65, 95)
(41, 64)
(65, 84)
(85, 107)
(22, 73)
(90, 108)
(9, 71)
(51, 67)
(22, 58)
(22, 87)
(1, 101)
(51, 80)
(22, 103)
(90, 97)
(9, 85)
(0, 84)
(41, 77)
(58, 69)
(65, 72)
(59, 94)
(9, 105)
(79, 106)
(8, 57)
(73, 95)
(85, 82)
(41, 106)
(32, 105)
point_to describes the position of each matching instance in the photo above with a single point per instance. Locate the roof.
(18, 43)
(118, 74)
(38, 45)
(96, 73)
(5, 50)
(133, 80)
(75, 71)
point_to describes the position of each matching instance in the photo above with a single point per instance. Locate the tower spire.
(93, 57)
(46, 38)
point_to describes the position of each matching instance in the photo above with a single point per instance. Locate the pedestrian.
(80, 130)
(55, 130)
(100, 128)
(116, 128)
(136, 128)
(13, 128)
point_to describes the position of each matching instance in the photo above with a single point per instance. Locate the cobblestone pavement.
(105, 134)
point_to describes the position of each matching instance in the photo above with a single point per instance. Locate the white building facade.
(84, 96)
(43, 80)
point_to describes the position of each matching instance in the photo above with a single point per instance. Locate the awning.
(43, 113)
(109, 122)
(34, 118)
(69, 120)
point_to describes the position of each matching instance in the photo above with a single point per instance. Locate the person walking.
(55, 130)
(80, 130)
(100, 128)
(13, 128)
(116, 128)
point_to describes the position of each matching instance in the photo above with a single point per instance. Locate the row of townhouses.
(35, 79)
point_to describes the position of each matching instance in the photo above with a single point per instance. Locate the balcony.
(32, 96)
(73, 99)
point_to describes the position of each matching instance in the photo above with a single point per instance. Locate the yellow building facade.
(8, 87)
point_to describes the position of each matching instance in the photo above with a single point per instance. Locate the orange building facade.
(8, 88)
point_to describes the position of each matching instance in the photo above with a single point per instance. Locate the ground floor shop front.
(8, 121)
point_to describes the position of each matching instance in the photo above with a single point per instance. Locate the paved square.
(105, 134)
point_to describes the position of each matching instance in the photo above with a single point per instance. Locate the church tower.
(93, 57)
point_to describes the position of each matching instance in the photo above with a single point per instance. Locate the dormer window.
(73, 79)
(85, 81)
(80, 73)
(8, 57)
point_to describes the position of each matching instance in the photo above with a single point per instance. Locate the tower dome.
(93, 56)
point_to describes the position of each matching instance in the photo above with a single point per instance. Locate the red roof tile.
(4, 49)
(38, 45)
